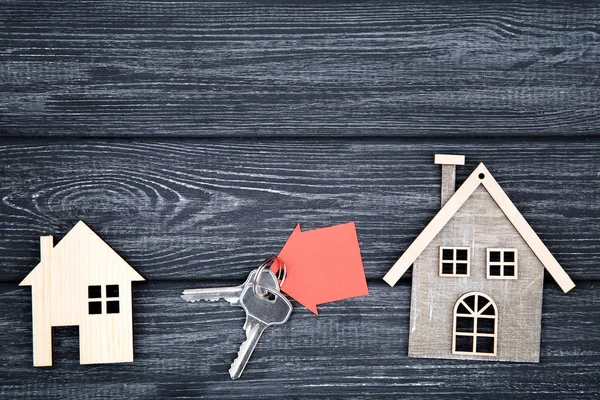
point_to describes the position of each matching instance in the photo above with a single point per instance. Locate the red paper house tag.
(323, 265)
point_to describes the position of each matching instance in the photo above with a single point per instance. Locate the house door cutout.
(65, 344)
(475, 327)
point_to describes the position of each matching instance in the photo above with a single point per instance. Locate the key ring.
(281, 275)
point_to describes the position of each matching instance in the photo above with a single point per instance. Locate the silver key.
(261, 312)
(231, 294)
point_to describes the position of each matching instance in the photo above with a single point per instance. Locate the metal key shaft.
(261, 312)
(231, 293)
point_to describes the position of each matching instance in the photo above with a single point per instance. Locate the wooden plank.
(212, 69)
(195, 209)
(355, 349)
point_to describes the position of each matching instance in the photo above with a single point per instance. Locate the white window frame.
(454, 261)
(502, 263)
(476, 315)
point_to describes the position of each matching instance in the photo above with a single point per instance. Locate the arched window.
(475, 327)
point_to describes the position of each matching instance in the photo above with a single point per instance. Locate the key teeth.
(243, 349)
(190, 299)
(232, 367)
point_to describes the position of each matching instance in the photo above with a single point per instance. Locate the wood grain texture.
(355, 349)
(478, 225)
(288, 68)
(507, 211)
(193, 136)
(60, 296)
(194, 209)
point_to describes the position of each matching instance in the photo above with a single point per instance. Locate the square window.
(112, 307)
(509, 270)
(462, 255)
(464, 324)
(454, 261)
(461, 269)
(494, 269)
(464, 343)
(95, 307)
(485, 325)
(112, 290)
(509, 256)
(502, 263)
(494, 256)
(94, 292)
(485, 345)
(447, 269)
(447, 254)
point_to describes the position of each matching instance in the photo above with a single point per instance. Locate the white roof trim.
(454, 204)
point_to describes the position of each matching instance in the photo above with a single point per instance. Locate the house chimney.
(449, 163)
(46, 245)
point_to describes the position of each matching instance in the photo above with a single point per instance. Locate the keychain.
(261, 299)
(313, 267)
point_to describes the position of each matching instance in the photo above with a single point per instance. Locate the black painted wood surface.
(466, 68)
(355, 349)
(190, 209)
(193, 136)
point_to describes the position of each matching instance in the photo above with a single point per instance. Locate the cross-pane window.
(103, 299)
(454, 261)
(502, 263)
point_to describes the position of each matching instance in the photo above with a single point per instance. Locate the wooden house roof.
(82, 230)
(480, 176)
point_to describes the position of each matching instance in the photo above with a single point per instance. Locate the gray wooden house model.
(478, 274)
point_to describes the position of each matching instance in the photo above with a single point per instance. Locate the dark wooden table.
(193, 136)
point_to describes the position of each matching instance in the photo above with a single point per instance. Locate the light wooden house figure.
(83, 282)
(478, 274)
